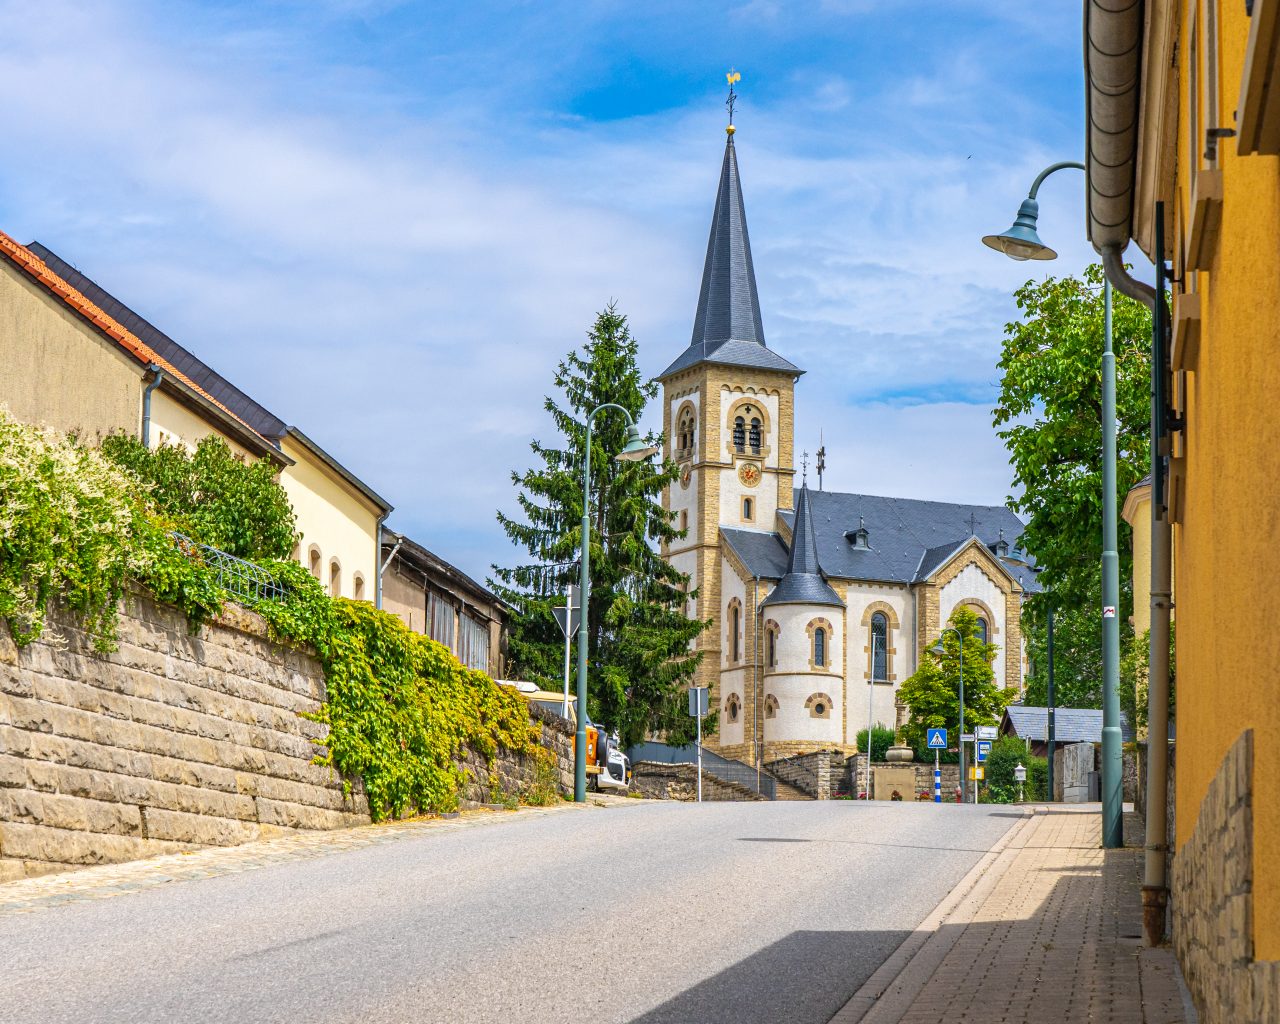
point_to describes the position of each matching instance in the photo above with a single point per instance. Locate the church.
(821, 603)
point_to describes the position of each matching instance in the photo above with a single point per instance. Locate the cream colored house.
(76, 358)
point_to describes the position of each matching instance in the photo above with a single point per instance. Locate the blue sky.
(387, 221)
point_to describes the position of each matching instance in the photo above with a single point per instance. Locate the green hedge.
(1001, 785)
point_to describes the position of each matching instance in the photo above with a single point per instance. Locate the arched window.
(684, 519)
(735, 623)
(771, 706)
(357, 587)
(820, 647)
(819, 705)
(980, 627)
(732, 708)
(771, 646)
(879, 648)
(747, 510)
(314, 561)
(740, 433)
(755, 434)
(684, 430)
(335, 578)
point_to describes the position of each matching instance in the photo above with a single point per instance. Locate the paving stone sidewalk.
(1050, 931)
(109, 880)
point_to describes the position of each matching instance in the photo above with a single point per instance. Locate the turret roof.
(803, 582)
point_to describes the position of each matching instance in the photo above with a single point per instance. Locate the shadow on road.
(801, 979)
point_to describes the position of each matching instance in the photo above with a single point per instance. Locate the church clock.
(749, 474)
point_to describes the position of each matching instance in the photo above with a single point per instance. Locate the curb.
(888, 993)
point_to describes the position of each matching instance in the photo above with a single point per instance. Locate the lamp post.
(871, 693)
(1020, 242)
(635, 450)
(939, 649)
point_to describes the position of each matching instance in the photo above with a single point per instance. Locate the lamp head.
(938, 648)
(635, 449)
(1021, 242)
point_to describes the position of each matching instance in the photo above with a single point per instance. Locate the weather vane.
(732, 76)
(804, 465)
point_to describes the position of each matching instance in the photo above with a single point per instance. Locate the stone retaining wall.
(660, 781)
(171, 742)
(1212, 902)
(923, 777)
(515, 776)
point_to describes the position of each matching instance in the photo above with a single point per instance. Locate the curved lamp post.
(939, 649)
(1021, 242)
(635, 450)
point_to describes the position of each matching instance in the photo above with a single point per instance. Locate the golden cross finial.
(733, 77)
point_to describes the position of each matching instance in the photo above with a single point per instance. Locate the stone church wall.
(171, 742)
(973, 588)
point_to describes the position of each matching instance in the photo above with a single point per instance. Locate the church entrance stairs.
(787, 792)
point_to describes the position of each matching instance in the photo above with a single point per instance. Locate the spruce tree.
(639, 657)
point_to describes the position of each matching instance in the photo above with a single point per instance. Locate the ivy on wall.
(78, 527)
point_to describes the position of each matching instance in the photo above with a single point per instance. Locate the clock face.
(686, 471)
(749, 474)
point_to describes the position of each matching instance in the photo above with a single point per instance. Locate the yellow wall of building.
(1137, 513)
(57, 370)
(333, 518)
(1227, 543)
(175, 423)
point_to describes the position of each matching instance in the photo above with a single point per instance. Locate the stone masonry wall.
(924, 777)
(680, 782)
(1212, 900)
(514, 775)
(810, 773)
(171, 742)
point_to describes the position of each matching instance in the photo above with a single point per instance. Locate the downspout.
(377, 560)
(1155, 880)
(157, 375)
(758, 682)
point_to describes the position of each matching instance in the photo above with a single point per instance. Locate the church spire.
(804, 582)
(727, 327)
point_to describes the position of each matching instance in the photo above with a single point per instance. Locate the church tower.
(728, 407)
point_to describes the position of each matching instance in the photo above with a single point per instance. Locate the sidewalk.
(1046, 929)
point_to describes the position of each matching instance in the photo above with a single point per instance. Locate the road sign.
(699, 701)
(966, 737)
(937, 739)
(986, 732)
(984, 748)
(976, 774)
(561, 611)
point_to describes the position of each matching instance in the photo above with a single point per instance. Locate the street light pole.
(1021, 242)
(871, 693)
(634, 451)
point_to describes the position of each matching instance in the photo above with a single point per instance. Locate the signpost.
(568, 618)
(936, 741)
(986, 732)
(699, 705)
(984, 748)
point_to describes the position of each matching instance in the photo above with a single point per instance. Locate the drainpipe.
(1155, 881)
(759, 681)
(157, 375)
(378, 563)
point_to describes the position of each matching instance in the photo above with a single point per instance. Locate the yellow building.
(1184, 111)
(74, 357)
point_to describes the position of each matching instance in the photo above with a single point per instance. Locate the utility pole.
(1112, 753)
(1050, 709)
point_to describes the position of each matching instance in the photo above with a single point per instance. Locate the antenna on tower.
(822, 458)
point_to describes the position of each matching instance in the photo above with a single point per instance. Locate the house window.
(755, 435)
(442, 619)
(981, 628)
(473, 642)
(747, 510)
(314, 561)
(879, 648)
(357, 587)
(335, 578)
(820, 647)
(740, 434)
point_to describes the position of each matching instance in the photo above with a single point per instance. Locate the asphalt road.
(648, 913)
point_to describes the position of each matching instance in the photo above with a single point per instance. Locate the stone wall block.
(291, 815)
(65, 846)
(199, 829)
(69, 812)
(13, 681)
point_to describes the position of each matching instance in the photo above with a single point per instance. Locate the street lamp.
(939, 649)
(1021, 242)
(635, 450)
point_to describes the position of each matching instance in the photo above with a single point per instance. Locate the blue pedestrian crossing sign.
(937, 739)
(984, 748)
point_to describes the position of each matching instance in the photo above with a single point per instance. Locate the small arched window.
(771, 647)
(684, 431)
(980, 627)
(357, 587)
(747, 510)
(684, 520)
(732, 708)
(771, 706)
(879, 648)
(740, 433)
(820, 647)
(314, 561)
(335, 578)
(819, 705)
(755, 435)
(735, 624)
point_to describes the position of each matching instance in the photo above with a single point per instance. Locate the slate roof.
(1070, 725)
(727, 328)
(31, 260)
(205, 377)
(803, 582)
(908, 539)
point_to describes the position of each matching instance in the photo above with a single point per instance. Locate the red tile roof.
(27, 261)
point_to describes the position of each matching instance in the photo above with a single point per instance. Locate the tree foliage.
(933, 691)
(1050, 407)
(639, 634)
(212, 495)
